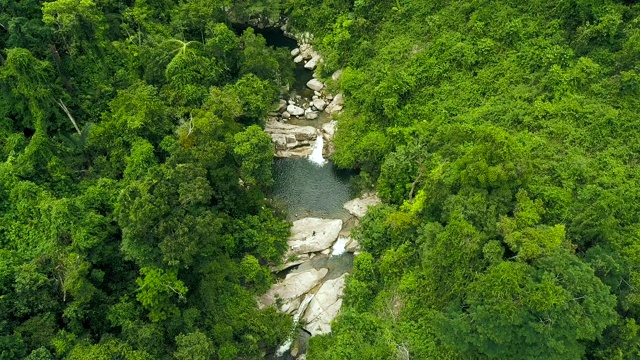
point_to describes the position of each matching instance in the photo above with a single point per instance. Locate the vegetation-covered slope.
(133, 223)
(503, 136)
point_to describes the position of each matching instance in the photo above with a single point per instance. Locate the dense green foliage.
(502, 136)
(133, 223)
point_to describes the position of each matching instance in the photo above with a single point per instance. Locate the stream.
(310, 187)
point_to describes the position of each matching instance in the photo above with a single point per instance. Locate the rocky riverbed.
(314, 270)
(319, 259)
(290, 136)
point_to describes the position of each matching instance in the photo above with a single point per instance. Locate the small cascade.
(340, 246)
(296, 318)
(316, 154)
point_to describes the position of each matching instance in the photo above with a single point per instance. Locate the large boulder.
(319, 104)
(313, 63)
(313, 235)
(358, 207)
(291, 288)
(295, 110)
(280, 141)
(335, 105)
(291, 140)
(300, 132)
(315, 84)
(324, 306)
(329, 129)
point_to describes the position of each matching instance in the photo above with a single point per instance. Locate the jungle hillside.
(502, 137)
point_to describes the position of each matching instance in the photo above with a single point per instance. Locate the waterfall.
(339, 247)
(316, 154)
(296, 318)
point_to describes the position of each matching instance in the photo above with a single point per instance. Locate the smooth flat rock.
(300, 132)
(313, 234)
(315, 84)
(298, 59)
(311, 115)
(291, 288)
(358, 207)
(295, 110)
(313, 63)
(324, 307)
(295, 52)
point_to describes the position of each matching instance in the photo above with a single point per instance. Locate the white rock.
(286, 115)
(315, 84)
(311, 115)
(300, 132)
(313, 63)
(325, 252)
(295, 110)
(295, 52)
(313, 234)
(317, 93)
(337, 75)
(353, 246)
(319, 104)
(335, 105)
(292, 287)
(358, 207)
(324, 307)
(298, 59)
(291, 102)
(314, 97)
(329, 129)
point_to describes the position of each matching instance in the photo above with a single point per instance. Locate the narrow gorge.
(318, 199)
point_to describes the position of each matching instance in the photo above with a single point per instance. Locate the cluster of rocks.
(296, 140)
(291, 140)
(314, 294)
(310, 109)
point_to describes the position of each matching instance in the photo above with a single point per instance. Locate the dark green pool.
(311, 190)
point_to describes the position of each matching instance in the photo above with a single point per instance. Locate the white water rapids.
(316, 154)
(296, 318)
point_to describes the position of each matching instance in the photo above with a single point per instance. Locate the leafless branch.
(73, 121)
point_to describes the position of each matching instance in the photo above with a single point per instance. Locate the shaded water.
(311, 190)
(276, 38)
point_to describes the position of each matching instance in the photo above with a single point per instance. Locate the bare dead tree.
(66, 111)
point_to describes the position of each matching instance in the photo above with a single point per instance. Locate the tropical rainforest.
(502, 136)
